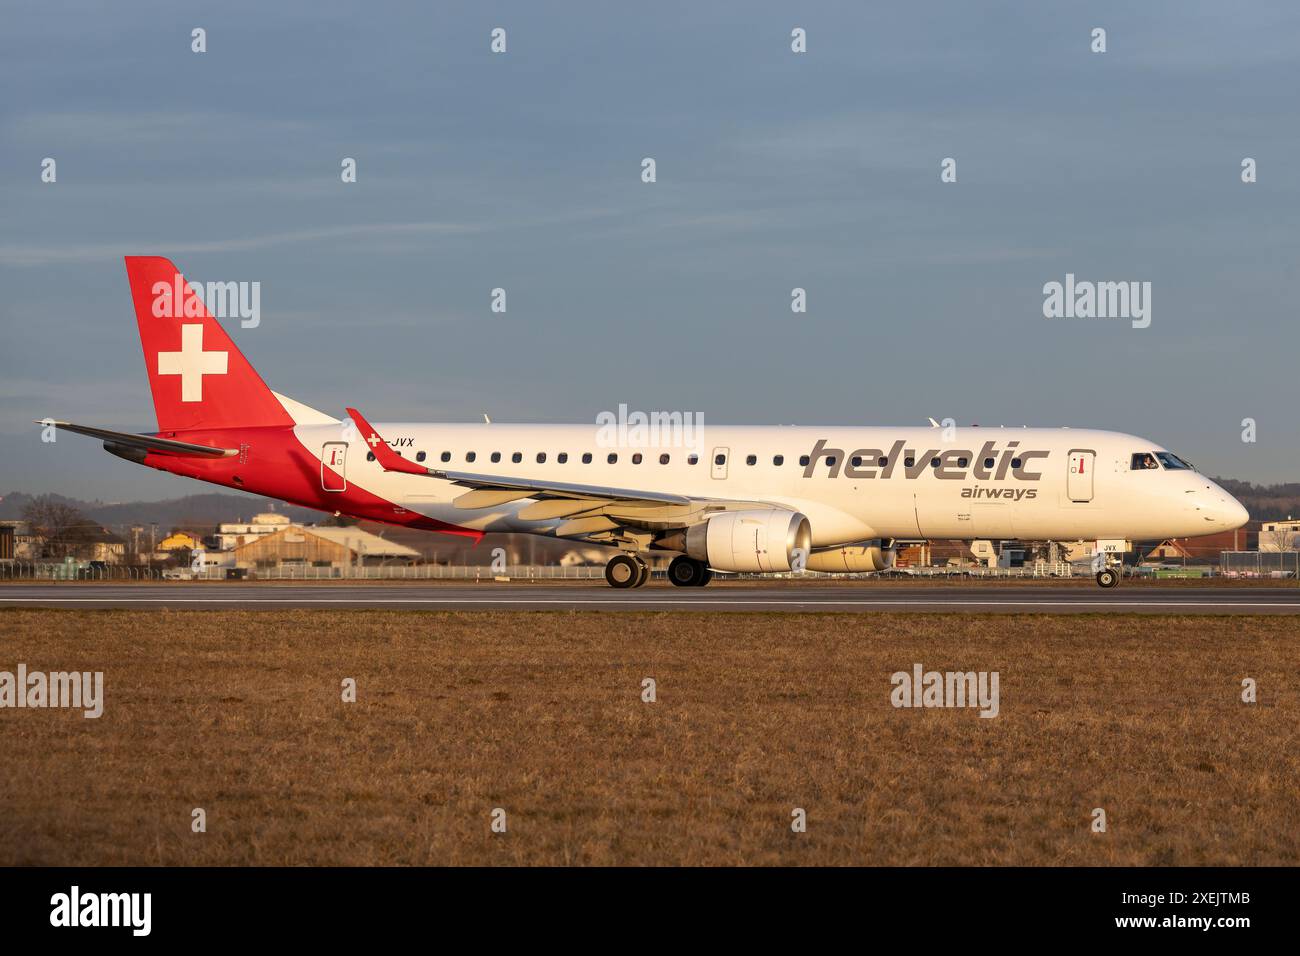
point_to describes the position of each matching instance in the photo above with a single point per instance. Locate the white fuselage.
(858, 483)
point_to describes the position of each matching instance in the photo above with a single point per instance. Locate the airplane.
(734, 499)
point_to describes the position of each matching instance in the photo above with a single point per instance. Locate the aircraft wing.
(558, 488)
(145, 442)
(591, 509)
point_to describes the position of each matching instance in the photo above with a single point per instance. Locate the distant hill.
(192, 510)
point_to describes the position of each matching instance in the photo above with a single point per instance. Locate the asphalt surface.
(966, 599)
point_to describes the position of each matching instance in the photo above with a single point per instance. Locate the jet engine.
(757, 540)
(865, 556)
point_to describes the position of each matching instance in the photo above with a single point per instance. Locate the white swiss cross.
(191, 363)
(373, 439)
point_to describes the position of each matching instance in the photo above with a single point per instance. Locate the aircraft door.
(1079, 480)
(334, 466)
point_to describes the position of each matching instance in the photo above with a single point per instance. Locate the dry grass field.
(541, 714)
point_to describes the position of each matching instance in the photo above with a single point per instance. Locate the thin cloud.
(19, 255)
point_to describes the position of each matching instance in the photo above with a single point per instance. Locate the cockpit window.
(1173, 462)
(1143, 460)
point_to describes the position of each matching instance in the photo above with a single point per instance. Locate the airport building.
(312, 547)
(1276, 536)
(231, 535)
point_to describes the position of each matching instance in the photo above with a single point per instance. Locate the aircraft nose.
(1216, 510)
(1225, 512)
(1233, 513)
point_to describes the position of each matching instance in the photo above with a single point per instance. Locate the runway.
(965, 599)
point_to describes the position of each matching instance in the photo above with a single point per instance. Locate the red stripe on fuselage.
(274, 463)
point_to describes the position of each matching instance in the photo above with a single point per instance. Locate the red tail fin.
(198, 378)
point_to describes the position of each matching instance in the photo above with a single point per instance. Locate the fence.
(1260, 564)
(64, 571)
(56, 571)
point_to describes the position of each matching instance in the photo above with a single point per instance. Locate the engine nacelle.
(852, 558)
(758, 540)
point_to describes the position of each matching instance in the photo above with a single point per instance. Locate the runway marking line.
(635, 602)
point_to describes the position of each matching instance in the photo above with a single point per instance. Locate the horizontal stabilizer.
(146, 442)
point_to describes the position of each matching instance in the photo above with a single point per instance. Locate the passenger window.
(446, 456)
(517, 457)
(613, 458)
(586, 458)
(636, 459)
(692, 459)
(934, 462)
(884, 462)
(719, 459)
(909, 462)
(1015, 462)
(856, 461)
(470, 456)
(803, 460)
(664, 459)
(751, 460)
(988, 462)
(961, 462)
(562, 457)
(541, 458)
(778, 460)
(496, 456)
(370, 456)
(419, 456)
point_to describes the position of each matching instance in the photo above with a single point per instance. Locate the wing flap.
(560, 489)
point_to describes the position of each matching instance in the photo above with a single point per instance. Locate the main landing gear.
(631, 571)
(1107, 578)
(627, 571)
(686, 572)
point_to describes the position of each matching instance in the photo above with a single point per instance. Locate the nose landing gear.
(1107, 578)
(1108, 562)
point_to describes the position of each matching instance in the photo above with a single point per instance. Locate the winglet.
(388, 459)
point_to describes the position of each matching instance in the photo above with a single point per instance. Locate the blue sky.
(775, 170)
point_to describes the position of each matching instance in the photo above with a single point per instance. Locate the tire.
(706, 575)
(1107, 578)
(622, 571)
(684, 572)
(644, 576)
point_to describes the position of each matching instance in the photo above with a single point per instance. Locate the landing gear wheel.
(644, 576)
(686, 572)
(622, 572)
(683, 571)
(1107, 578)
